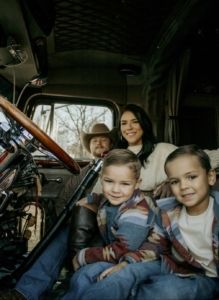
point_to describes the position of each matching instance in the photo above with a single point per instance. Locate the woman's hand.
(112, 270)
(164, 191)
(81, 202)
(75, 262)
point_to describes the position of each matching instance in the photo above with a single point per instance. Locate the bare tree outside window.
(67, 123)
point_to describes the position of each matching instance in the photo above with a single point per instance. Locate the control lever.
(57, 180)
(45, 180)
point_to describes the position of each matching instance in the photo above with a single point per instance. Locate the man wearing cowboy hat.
(39, 279)
(100, 139)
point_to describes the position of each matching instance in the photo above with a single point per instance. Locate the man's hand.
(81, 202)
(112, 270)
(76, 265)
(164, 191)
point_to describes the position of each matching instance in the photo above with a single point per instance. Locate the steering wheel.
(40, 135)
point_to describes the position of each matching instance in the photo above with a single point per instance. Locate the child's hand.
(112, 270)
(81, 202)
(76, 265)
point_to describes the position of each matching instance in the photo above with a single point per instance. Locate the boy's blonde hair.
(123, 157)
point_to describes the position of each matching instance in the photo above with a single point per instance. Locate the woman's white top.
(153, 174)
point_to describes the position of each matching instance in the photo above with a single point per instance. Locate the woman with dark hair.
(147, 138)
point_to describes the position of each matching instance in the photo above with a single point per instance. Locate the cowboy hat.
(98, 129)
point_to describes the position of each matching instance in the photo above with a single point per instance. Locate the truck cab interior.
(68, 64)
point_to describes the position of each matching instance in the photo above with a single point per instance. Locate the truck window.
(63, 123)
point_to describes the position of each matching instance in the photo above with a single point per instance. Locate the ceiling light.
(129, 70)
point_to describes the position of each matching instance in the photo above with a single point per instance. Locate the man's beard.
(98, 152)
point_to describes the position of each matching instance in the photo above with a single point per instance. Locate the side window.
(63, 123)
